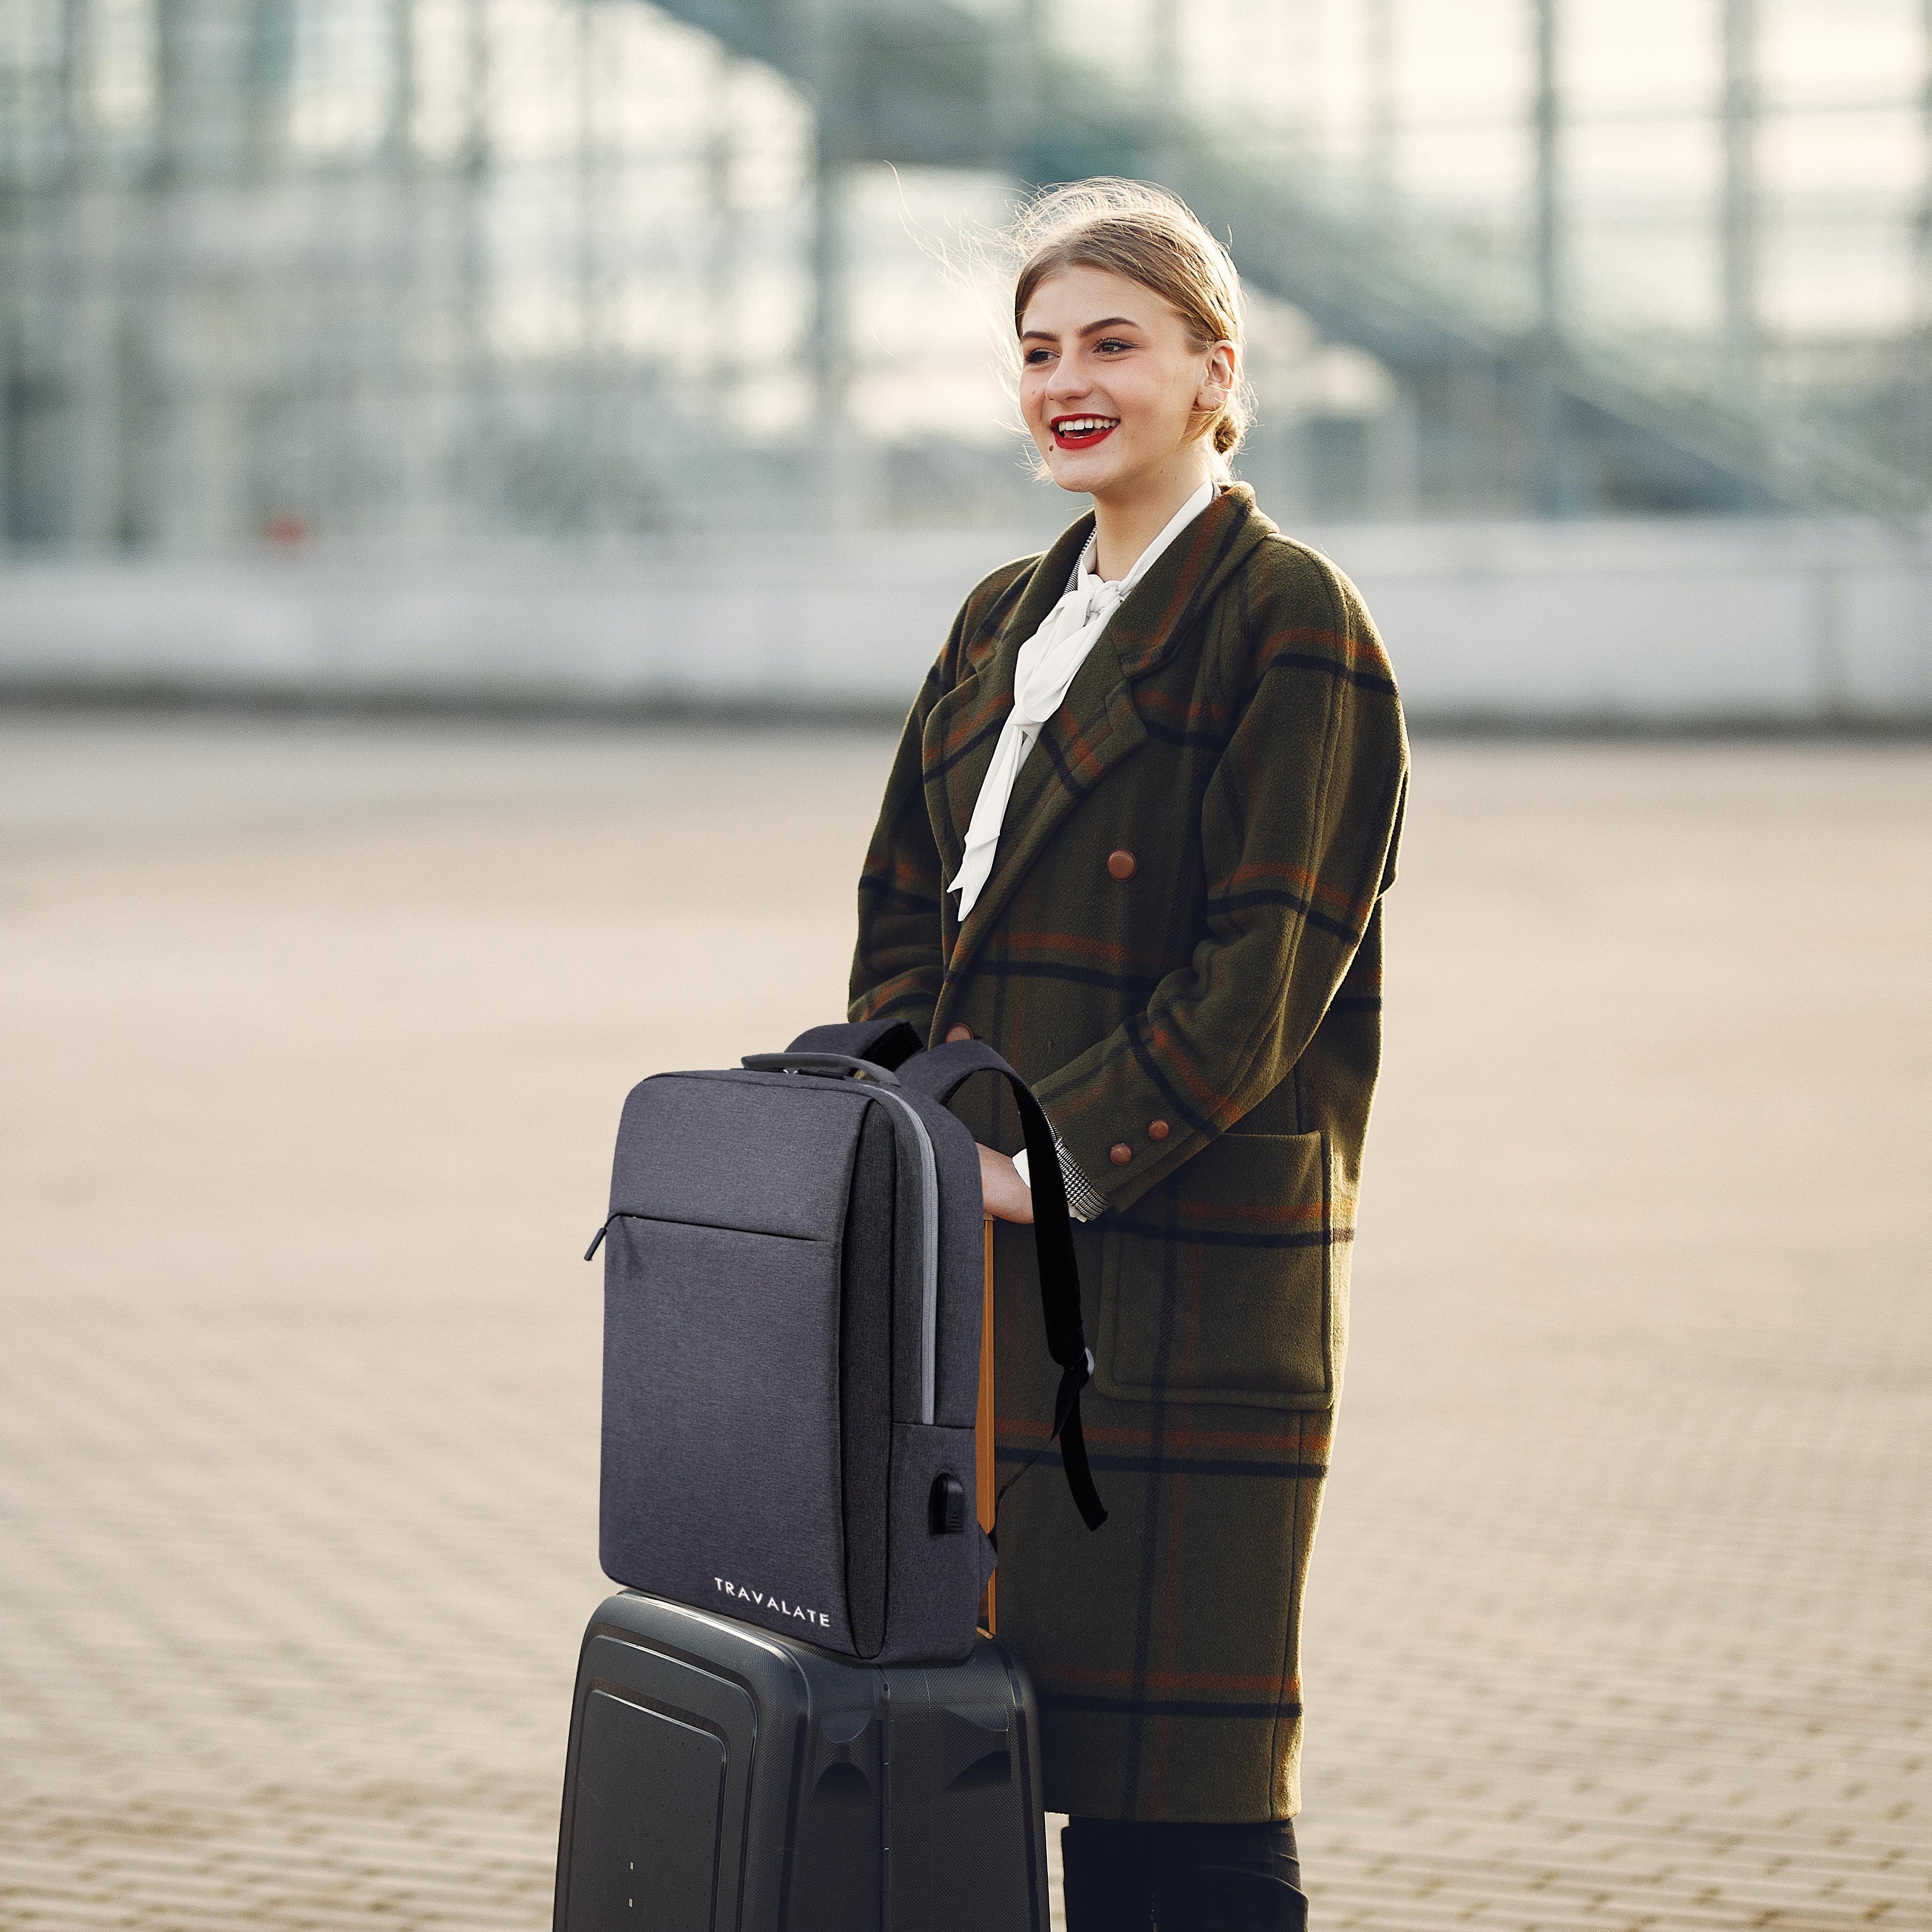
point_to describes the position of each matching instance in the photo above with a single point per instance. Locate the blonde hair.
(1134, 229)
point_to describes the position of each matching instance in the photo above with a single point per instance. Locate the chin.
(1084, 475)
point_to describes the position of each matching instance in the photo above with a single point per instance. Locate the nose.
(1067, 381)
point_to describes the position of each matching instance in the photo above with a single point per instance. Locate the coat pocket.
(1228, 1282)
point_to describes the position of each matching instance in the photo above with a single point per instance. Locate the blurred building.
(398, 274)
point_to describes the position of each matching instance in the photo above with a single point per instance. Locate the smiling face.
(1113, 388)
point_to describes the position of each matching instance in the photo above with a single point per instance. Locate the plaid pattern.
(1084, 1200)
(1204, 1036)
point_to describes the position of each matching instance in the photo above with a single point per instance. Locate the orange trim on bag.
(1312, 1443)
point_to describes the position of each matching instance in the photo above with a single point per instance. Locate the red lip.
(1085, 441)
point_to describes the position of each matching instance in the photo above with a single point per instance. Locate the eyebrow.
(1092, 328)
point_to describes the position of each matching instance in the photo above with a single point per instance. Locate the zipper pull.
(597, 1242)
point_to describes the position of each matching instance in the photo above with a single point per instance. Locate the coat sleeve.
(1298, 828)
(897, 965)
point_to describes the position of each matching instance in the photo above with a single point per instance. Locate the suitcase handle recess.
(834, 1066)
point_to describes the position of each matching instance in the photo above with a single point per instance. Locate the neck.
(1127, 521)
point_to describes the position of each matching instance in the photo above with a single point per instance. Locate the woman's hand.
(1007, 1197)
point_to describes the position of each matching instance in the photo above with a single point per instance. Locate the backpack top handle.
(835, 1065)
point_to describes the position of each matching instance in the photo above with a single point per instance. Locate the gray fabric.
(885, 1043)
(721, 1460)
(764, 1152)
(763, 1455)
(933, 1595)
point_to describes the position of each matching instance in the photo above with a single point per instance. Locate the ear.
(1217, 380)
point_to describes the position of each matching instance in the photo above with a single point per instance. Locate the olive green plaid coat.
(1180, 946)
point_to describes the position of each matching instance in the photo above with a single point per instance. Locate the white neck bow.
(1048, 663)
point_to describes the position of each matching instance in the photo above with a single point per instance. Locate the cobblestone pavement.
(313, 1039)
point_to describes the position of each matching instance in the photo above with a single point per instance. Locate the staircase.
(928, 83)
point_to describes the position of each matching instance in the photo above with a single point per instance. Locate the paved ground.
(313, 1038)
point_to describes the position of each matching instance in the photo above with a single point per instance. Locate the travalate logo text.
(764, 1601)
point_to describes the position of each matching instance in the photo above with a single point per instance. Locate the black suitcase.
(722, 1778)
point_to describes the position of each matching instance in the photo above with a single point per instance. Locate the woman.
(1136, 836)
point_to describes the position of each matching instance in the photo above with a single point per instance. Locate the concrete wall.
(1659, 624)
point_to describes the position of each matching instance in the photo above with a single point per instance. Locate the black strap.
(940, 1072)
(887, 1043)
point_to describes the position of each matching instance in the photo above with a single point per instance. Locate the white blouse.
(1049, 662)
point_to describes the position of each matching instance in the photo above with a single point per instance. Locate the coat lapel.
(964, 725)
(1097, 728)
(1155, 621)
(1092, 733)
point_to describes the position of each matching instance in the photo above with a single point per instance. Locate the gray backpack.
(792, 1285)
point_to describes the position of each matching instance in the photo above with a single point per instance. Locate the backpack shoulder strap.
(940, 1072)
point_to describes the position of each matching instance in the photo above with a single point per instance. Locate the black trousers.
(1127, 1876)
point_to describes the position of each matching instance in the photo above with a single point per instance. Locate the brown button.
(1158, 1130)
(957, 1032)
(1120, 1153)
(1122, 865)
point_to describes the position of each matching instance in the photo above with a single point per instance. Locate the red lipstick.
(1082, 431)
